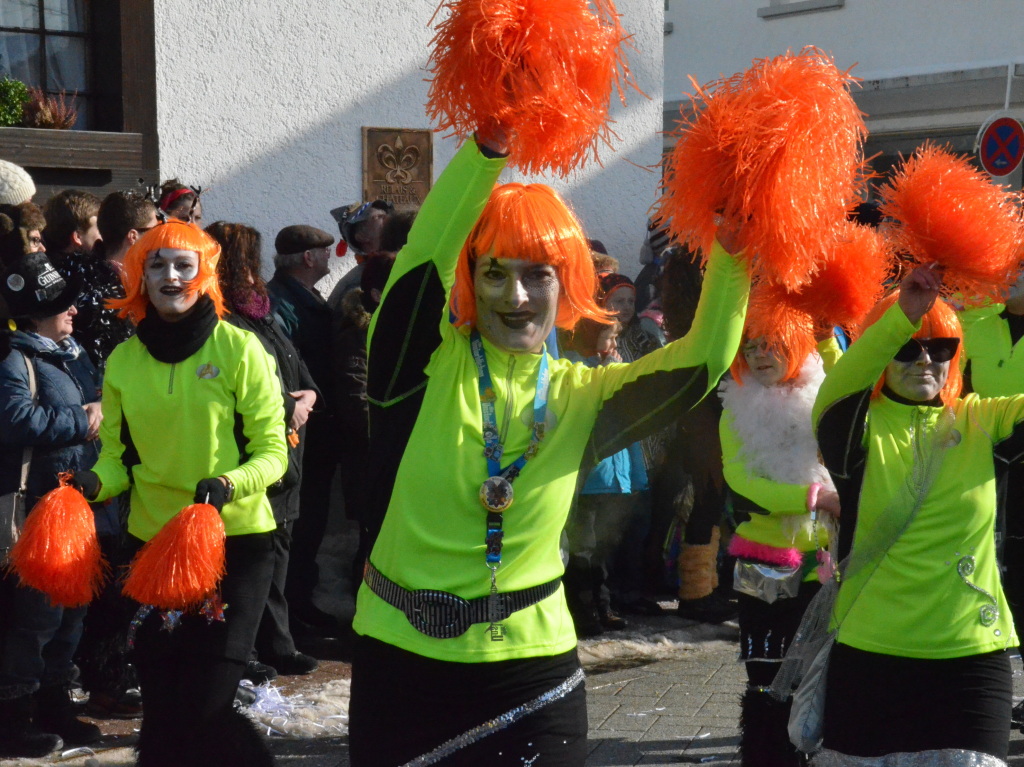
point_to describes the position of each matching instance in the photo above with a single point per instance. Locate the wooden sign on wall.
(398, 165)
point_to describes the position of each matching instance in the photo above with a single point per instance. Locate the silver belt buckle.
(437, 614)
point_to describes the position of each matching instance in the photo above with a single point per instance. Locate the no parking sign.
(1001, 146)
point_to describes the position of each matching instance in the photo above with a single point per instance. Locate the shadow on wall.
(319, 167)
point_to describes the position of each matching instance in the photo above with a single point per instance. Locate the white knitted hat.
(16, 185)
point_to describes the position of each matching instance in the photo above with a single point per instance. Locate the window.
(777, 8)
(48, 44)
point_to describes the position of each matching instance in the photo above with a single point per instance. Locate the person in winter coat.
(192, 413)
(466, 649)
(245, 295)
(55, 430)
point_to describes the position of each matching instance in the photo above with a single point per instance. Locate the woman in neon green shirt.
(920, 672)
(771, 466)
(467, 652)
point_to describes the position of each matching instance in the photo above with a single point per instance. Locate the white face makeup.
(766, 367)
(167, 276)
(917, 381)
(622, 303)
(516, 302)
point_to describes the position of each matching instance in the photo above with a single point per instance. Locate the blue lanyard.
(496, 492)
(493, 449)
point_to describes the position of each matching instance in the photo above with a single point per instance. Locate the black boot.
(56, 713)
(19, 736)
(764, 734)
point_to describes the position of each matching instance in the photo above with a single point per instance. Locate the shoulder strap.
(26, 455)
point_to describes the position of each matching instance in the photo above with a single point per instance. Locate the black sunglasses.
(939, 349)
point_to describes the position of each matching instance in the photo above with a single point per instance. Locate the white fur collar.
(774, 425)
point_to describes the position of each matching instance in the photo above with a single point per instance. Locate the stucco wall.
(884, 38)
(262, 103)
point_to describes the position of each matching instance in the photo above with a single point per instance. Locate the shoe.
(642, 606)
(714, 608)
(19, 735)
(259, 673)
(586, 623)
(56, 713)
(244, 696)
(610, 619)
(1017, 715)
(106, 705)
(296, 664)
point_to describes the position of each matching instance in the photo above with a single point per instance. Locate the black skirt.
(405, 705)
(884, 704)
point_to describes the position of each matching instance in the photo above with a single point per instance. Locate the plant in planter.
(13, 97)
(45, 110)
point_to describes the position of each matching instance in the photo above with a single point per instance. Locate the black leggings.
(884, 704)
(404, 705)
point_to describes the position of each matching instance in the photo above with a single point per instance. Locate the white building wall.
(884, 38)
(262, 103)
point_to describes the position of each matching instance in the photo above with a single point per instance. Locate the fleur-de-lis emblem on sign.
(399, 160)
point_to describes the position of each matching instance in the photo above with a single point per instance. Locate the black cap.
(33, 288)
(349, 216)
(300, 238)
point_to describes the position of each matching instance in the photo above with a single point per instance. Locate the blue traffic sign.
(1002, 146)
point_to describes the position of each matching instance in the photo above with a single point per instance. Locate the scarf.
(66, 350)
(175, 341)
(249, 304)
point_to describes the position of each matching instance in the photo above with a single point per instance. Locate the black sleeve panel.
(840, 440)
(642, 407)
(407, 332)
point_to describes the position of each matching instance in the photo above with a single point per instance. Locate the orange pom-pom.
(182, 564)
(58, 552)
(543, 69)
(850, 282)
(776, 151)
(950, 213)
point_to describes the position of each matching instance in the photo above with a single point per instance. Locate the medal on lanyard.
(496, 492)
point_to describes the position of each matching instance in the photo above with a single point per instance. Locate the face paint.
(918, 381)
(167, 277)
(516, 302)
(766, 366)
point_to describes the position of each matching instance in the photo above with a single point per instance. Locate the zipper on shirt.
(510, 394)
(170, 380)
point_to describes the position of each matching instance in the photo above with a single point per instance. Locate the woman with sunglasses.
(192, 412)
(920, 671)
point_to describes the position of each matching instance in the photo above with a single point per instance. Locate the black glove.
(212, 491)
(87, 483)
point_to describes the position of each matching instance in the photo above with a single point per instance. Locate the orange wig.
(177, 235)
(787, 331)
(940, 322)
(531, 222)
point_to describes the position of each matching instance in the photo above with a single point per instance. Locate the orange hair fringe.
(787, 331)
(776, 149)
(181, 565)
(531, 222)
(172, 234)
(950, 213)
(850, 282)
(544, 69)
(941, 321)
(58, 552)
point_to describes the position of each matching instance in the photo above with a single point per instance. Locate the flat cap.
(300, 238)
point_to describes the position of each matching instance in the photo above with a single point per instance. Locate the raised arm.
(407, 326)
(645, 395)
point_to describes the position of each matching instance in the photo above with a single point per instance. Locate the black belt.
(443, 615)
